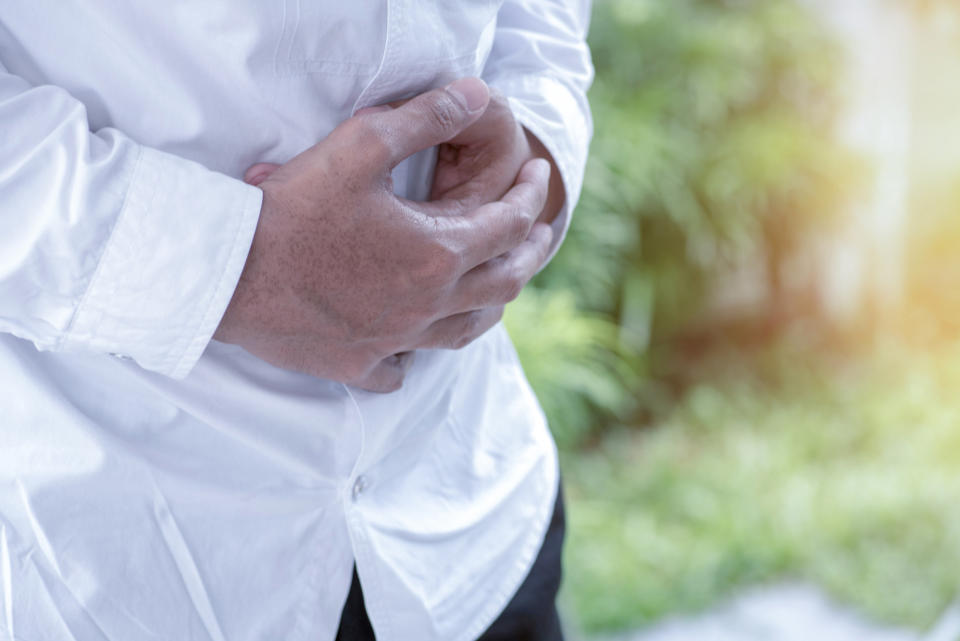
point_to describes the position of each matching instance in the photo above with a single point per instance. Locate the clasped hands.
(344, 280)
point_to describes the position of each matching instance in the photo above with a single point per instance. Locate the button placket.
(386, 77)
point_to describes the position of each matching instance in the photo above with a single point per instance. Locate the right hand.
(344, 279)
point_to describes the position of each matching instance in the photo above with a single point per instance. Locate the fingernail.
(472, 93)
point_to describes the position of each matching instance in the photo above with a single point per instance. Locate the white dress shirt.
(158, 485)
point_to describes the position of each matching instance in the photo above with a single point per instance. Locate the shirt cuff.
(561, 121)
(170, 265)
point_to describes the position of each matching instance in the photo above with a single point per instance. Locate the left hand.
(481, 163)
(478, 165)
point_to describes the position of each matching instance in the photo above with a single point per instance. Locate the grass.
(843, 473)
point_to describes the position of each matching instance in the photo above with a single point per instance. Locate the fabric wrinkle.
(6, 580)
(41, 537)
(196, 492)
(186, 565)
(71, 614)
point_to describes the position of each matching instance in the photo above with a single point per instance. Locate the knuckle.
(444, 112)
(441, 263)
(513, 283)
(469, 330)
(520, 221)
(366, 135)
(448, 260)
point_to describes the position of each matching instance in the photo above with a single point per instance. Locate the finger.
(460, 330)
(427, 120)
(500, 281)
(388, 374)
(498, 227)
(498, 118)
(259, 172)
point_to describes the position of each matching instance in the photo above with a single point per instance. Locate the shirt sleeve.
(108, 246)
(541, 62)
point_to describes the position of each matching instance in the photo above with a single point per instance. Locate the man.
(197, 442)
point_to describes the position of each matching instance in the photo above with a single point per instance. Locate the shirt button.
(359, 486)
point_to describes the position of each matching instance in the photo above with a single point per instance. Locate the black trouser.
(530, 616)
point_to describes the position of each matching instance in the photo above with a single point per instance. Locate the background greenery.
(842, 472)
(714, 144)
(706, 451)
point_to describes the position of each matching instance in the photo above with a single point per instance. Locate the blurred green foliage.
(838, 471)
(771, 448)
(714, 142)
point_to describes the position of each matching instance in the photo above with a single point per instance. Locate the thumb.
(430, 119)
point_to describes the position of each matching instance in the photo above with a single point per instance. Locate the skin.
(481, 163)
(344, 280)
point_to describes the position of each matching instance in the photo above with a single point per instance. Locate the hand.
(343, 278)
(479, 164)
